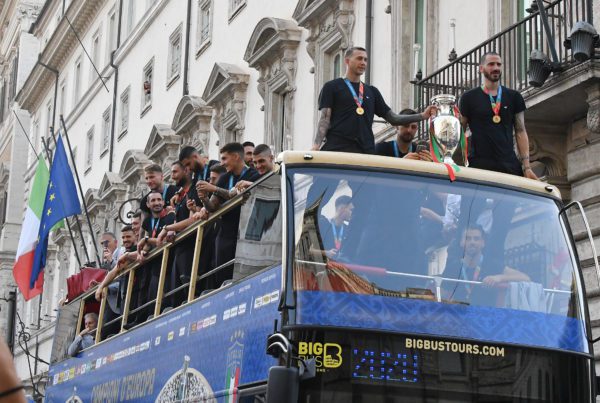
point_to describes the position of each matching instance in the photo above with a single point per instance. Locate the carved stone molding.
(226, 93)
(191, 122)
(593, 115)
(132, 171)
(324, 18)
(162, 146)
(272, 50)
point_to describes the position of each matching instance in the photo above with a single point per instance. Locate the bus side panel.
(218, 343)
(405, 315)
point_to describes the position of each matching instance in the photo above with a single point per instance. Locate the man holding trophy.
(492, 112)
(348, 106)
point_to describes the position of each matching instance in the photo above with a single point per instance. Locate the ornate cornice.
(61, 45)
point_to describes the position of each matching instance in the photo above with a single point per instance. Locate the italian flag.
(233, 380)
(29, 234)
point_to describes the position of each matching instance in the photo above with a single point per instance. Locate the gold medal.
(496, 119)
(360, 111)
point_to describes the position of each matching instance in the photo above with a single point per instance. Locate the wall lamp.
(582, 41)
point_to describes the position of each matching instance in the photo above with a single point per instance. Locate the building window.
(130, 15)
(112, 32)
(235, 6)
(338, 65)
(174, 64)
(105, 132)
(77, 83)
(124, 112)
(89, 150)
(147, 86)
(203, 35)
(95, 57)
(63, 97)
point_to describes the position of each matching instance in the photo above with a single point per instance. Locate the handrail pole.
(125, 315)
(195, 263)
(161, 281)
(101, 317)
(80, 316)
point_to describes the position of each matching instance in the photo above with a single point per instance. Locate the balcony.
(555, 108)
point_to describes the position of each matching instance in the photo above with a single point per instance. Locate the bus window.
(418, 237)
(259, 242)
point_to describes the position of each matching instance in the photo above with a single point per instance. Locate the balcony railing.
(514, 44)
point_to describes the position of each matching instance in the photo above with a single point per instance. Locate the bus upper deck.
(398, 277)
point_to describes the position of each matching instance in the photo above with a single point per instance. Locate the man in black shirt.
(334, 232)
(492, 112)
(232, 158)
(153, 175)
(196, 164)
(152, 226)
(402, 146)
(348, 107)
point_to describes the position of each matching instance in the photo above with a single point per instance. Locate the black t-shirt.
(168, 192)
(200, 175)
(329, 232)
(230, 221)
(181, 210)
(391, 149)
(349, 131)
(153, 226)
(491, 144)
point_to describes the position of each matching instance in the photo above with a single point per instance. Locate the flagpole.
(50, 162)
(85, 209)
(49, 156)
(87, 256)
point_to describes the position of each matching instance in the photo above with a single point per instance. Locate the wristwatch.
(146, 238)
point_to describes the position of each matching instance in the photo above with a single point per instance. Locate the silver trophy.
(446, 127)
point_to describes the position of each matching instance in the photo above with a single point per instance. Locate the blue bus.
(355, 279)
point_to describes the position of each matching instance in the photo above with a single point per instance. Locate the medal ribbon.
(497, 103)
(204, 177)
(231, 183)
(397, 149)
(357, 98)
(337, 239)
(154, 225)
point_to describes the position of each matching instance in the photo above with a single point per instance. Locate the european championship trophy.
(445, 131)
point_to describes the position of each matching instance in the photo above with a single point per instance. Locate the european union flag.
(61, 202)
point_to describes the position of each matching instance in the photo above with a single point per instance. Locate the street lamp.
(582, 41)
(539, 68)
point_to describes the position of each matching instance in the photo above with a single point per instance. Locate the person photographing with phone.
(403, 146)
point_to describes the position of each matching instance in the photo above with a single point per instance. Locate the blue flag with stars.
(61, 202)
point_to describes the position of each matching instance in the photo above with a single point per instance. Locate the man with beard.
(248, 153)
(474, 266)
(153, 175)
(232, 158)
(124, 255)
(492, 112)
(402, 146)
(198, 167)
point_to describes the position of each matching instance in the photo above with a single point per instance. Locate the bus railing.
(438, 280)
(162, 252)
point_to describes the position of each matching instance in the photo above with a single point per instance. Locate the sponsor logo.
(326, 355)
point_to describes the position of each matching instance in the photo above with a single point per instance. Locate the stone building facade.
(240, 70)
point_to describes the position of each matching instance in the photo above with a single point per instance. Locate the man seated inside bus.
(491, 272)
(334, 231)
(85, 338)
(232, 158)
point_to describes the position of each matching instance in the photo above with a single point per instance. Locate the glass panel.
(422, 238)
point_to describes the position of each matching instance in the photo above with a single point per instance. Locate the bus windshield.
(464, 245)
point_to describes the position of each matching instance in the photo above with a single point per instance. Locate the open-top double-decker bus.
(414, 288)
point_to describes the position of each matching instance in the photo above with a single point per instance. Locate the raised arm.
(322, 128)
(402, 120)
(523, 145)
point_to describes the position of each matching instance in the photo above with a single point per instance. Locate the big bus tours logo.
(235, 354)
(326, 355)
